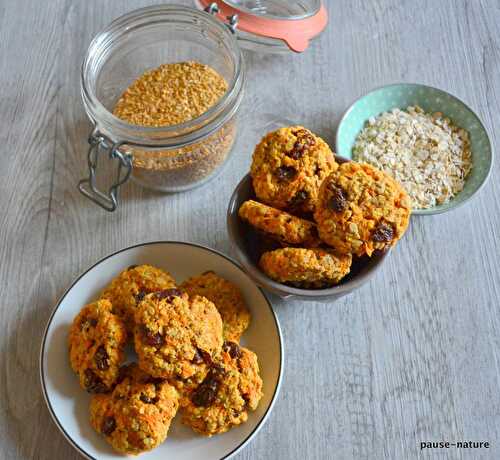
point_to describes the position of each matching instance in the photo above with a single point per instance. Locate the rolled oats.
(428, 154)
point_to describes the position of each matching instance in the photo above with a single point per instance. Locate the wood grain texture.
(413, 356)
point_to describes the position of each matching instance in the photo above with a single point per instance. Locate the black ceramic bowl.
(249, 246)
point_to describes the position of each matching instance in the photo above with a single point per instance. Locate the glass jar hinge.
(232, 23)
(88, 187)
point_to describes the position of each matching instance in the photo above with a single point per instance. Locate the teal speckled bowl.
(430, 99)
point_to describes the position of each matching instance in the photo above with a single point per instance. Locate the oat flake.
(426, 153)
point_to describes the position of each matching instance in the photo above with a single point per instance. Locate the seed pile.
(166, 96)
(428, 154)
(171, 94)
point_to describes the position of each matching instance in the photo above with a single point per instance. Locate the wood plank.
(28, 118)
(413, 356)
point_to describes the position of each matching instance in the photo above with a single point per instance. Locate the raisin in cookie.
(231, 388)
(226, 297)
(97, 339)
(305, 268)
(288, 167)
(136, 417)
(175, 335)
(130, 287)
(280, 225)
(361, 209)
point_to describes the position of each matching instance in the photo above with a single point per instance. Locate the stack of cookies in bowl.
(315, 216)
(186, 359)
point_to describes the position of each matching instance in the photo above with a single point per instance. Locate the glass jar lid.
(277, 9)
(272, 25)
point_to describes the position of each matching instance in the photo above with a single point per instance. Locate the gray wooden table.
(413, 356)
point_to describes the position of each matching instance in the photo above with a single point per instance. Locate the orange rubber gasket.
(295, 33)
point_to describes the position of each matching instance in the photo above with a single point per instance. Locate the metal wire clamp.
(88, 187)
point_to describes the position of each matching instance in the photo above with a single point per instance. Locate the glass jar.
(171, 158)
(183, 156)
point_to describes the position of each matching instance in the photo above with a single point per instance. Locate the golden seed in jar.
(171, 94)
(166, 96)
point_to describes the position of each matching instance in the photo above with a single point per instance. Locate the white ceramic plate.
(69, 404)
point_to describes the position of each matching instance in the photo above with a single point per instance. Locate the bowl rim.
(433, 210)
(282, 289)
(41, 367)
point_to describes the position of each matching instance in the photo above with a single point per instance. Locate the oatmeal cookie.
(226, 297)
(305, 268)
(130, 287)
(186, 387)
(288, 167)
(175, 335)
(230, 389)
(280, 225)
(361, 209)
(136, 417)
(96, 341)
